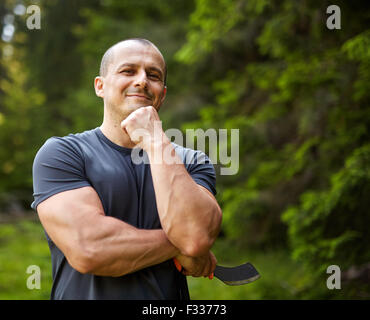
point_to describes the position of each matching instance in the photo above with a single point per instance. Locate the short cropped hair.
(108, 56)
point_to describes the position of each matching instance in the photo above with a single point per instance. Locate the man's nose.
(141, 80)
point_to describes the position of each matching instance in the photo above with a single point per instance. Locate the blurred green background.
(297, 91)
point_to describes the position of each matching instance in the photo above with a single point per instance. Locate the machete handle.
(180, 268)
(177, 265)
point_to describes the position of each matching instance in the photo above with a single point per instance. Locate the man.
(113, 226)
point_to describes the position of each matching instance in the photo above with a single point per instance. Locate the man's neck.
(113, 131)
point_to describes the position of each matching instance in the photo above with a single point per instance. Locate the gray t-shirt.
(126, 191)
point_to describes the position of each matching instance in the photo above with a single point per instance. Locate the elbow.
(201, 241)
(190, 242)
(195, 238)
(197, 247)
(83, 267)
(83, 261)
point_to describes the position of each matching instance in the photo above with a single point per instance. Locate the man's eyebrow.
(126, 64)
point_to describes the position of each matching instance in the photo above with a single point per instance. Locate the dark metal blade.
(239, 275)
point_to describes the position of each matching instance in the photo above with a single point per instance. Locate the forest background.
(297, 91)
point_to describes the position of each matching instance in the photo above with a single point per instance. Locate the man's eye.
(153, 75)
(127, 71)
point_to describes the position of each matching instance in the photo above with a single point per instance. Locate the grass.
(23, 244)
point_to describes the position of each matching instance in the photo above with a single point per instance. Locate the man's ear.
(99, 88)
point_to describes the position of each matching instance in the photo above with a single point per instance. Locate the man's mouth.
(138, 96)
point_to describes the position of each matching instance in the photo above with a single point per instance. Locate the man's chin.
(134, 107)
(127, 110)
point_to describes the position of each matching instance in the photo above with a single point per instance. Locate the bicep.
(68, 215)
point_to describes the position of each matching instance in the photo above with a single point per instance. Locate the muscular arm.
(95, 243)
(189, 213)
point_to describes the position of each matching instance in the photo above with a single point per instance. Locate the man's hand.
(144, 127)
(198, 266)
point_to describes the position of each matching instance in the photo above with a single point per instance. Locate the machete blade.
(235, 276)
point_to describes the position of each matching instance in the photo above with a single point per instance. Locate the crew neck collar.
(101, 135)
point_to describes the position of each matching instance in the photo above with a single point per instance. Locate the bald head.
(108, 56)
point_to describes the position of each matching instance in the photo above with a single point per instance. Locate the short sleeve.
(57, 167)
(199, 166)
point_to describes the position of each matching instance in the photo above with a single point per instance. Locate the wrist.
(155, 146)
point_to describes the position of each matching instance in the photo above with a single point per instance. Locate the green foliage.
(23, 244)
(298, 93)
(332, 224)
(21, 104)
(211, 20)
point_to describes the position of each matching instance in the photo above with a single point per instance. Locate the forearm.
(190, 217)
(116, 248)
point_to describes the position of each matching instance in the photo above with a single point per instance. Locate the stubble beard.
(122, 111)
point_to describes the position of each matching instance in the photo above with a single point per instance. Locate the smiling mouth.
(139, 96)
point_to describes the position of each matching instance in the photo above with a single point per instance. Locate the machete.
(233, 276)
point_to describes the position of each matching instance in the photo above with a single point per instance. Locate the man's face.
(135, 79)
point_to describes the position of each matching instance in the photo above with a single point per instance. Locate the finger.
(207, 266)
(212, 265)
(185, 273)
(198, 272)
(203, 266)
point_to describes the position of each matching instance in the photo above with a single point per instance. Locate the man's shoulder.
(72, 138)
(70, 143)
